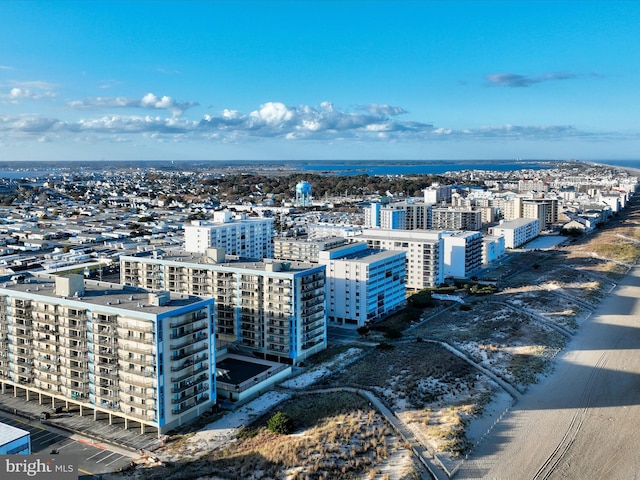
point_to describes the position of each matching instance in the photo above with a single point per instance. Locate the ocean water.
(41, 170)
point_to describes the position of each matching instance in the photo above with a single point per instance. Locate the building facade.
(462, 253)
(133, 354)
(456, 219)
(424, 253)
(245, 237)
(363, 284)
(274, 309)
(517, 232)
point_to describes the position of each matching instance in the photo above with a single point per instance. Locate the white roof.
(9, 433)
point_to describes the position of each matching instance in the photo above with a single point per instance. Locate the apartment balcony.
(104, 341)
(189, 353)
(105, 320)
(145, 403)
(149, 417)
(188, 363)
(20, 313)
(195, 391)
(144, 362)
(188, 320)
(106, 357)
(104, 373)
(23, 357)
(74, 315)
(106, 330)
(195, 329)
(80, 377)
(140, 348)
(201, 336)
(282, 341)
(46, 319)
(79, 368)
(137, 381)
(136, 327)
(197, 401)
(109, 397)
(25, 335)
(313, 325)
(191, 384)
(74, 323)
(189, 372)
(80, 346)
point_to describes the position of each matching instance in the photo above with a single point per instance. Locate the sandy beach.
(582, 421)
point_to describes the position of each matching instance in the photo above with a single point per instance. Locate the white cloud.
(28, 91)
(325, 122)
(148, 101)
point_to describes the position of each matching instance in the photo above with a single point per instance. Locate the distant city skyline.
(280, 80)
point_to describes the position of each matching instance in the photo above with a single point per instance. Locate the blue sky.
(295, 79)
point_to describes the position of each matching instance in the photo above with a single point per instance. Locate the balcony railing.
(201, 336)
(203, 388)
(190, 384)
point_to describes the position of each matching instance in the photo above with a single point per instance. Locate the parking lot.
(100, 447)
(94, 458)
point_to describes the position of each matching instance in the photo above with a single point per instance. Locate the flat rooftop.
(194, 258)
(236, 371)
(101, 294)
(9, 433)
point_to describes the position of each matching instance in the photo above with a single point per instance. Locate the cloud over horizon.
(271, 120)
(148, 101)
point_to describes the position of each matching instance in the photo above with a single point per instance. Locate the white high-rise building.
(363, 284)
(124, 352)
(462, 253)
(245, 237)
(274, 309)
(424, 253)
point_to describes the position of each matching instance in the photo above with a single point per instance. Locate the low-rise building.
(14, 440)
(517, 232)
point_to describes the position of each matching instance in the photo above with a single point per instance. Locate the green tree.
(280, 423)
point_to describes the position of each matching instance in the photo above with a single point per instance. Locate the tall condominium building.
(544, 209)
(111, 349)
(363, 284)
(462, 253)
(456, 219)
(394, 218)
(245, 237)
(399, 215)
(437, 194)
(424, 253)
(274, 309)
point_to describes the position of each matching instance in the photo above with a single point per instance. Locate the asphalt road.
(583, 421)
(94, 458)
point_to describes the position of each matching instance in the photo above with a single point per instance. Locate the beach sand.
(582, 421)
